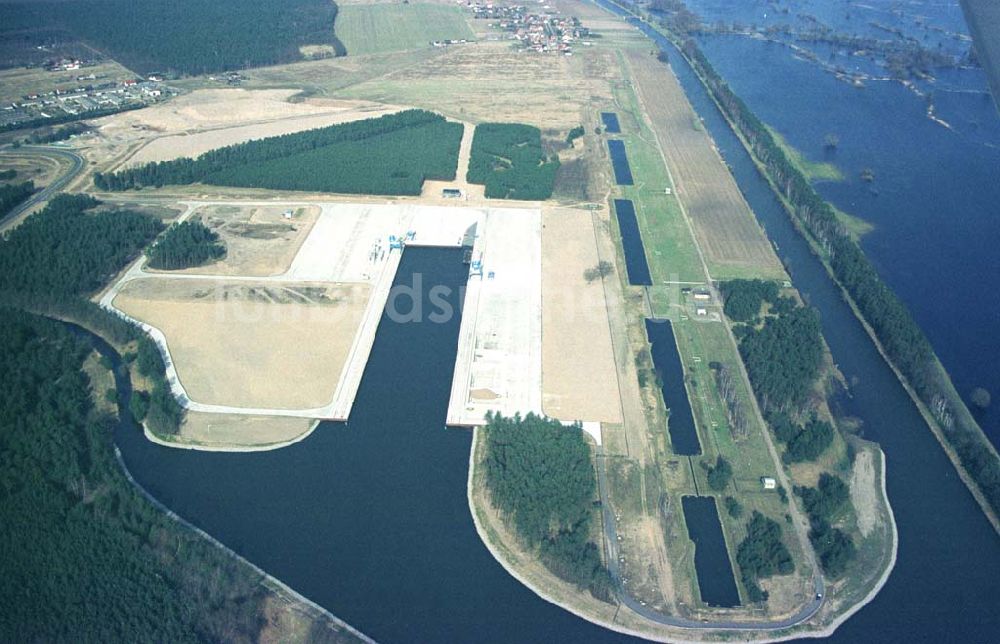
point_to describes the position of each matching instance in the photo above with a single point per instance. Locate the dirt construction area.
(579, 381)
(279, 346)
(259, 240)
(733, 242)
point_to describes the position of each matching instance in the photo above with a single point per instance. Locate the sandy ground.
(728, 233)
(166, 148)
(223, 431)
(203, 119)
(259, 240)
(865, 491)
(269, 346)
(578, 368)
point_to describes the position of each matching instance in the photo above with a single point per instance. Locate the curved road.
(53, 188)
(611, 538)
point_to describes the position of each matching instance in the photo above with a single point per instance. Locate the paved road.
(611, 539)
(53, 188)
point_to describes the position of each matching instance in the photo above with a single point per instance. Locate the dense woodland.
(509, 160)
(389, 155)
(902, 339)
(783, 358)
(188, 36)
(762, 554)
(13, 194)
(89, 559)
(184, 245)
(8, 175)
(58, 257)
(540, 477)
(743, 298)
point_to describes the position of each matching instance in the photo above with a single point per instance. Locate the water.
(933, 202)
(611, 125)
(666, 359)
(711, 560)
(944, 585)
(370, 518)
(623, 172)
(635, 252)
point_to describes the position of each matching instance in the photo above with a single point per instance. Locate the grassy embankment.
(823, 171)
(967, 427)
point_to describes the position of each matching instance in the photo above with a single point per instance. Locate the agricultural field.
(254, 345)
(492, 81)
(367, 28)
(733, 242)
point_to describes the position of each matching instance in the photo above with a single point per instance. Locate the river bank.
(955, 404)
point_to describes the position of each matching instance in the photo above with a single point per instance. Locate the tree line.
(541, 479)
(13, 194)
(389, 155)
(509, 160)
(184, 245)
(95, 561)
(58, 257)
(901, 338)
(191, 36)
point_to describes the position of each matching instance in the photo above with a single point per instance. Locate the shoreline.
(679, 634)
(973, 487)
(201, 447)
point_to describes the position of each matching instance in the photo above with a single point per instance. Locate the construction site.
(240, 336)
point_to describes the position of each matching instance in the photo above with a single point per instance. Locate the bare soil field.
(491, 81)
(732, 241)
(259, 240)
(204, 119)
(195, 144)
(579, 381)
(32, 166)
(865, 491)
(235, 431)
(279, 346)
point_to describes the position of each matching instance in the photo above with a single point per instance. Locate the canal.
(944, 584)
(370, 518)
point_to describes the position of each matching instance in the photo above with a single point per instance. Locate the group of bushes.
(823, 503)
(762, 554)
(509, 160)
(189, 36)
(541, 478)
(802, 442)
(186, 244)
(389, 155)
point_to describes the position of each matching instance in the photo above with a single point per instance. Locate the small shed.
(451, 193)
(768, 482)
